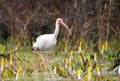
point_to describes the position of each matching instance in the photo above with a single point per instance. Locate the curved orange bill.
(63, 24)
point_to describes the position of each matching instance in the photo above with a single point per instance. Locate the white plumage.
(45, 42)
(119, 70)
(48, 41)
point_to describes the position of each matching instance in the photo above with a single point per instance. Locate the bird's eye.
(59, 21)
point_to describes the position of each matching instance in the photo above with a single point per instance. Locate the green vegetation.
(70, 64)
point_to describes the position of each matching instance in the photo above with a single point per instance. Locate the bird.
(47, 42)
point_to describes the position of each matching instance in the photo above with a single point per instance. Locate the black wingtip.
(35, 48)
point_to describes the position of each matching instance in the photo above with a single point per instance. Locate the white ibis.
(48, 41)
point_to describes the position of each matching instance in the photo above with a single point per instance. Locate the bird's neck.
(56, 30)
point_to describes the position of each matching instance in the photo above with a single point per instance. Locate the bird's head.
(61, 22)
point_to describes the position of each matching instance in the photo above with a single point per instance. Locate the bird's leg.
(37, 53)
(48, 57)
(42, 58)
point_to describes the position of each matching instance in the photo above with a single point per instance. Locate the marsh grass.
(32, 68)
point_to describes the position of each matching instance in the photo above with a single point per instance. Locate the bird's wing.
(45, 42)
(40, 42)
